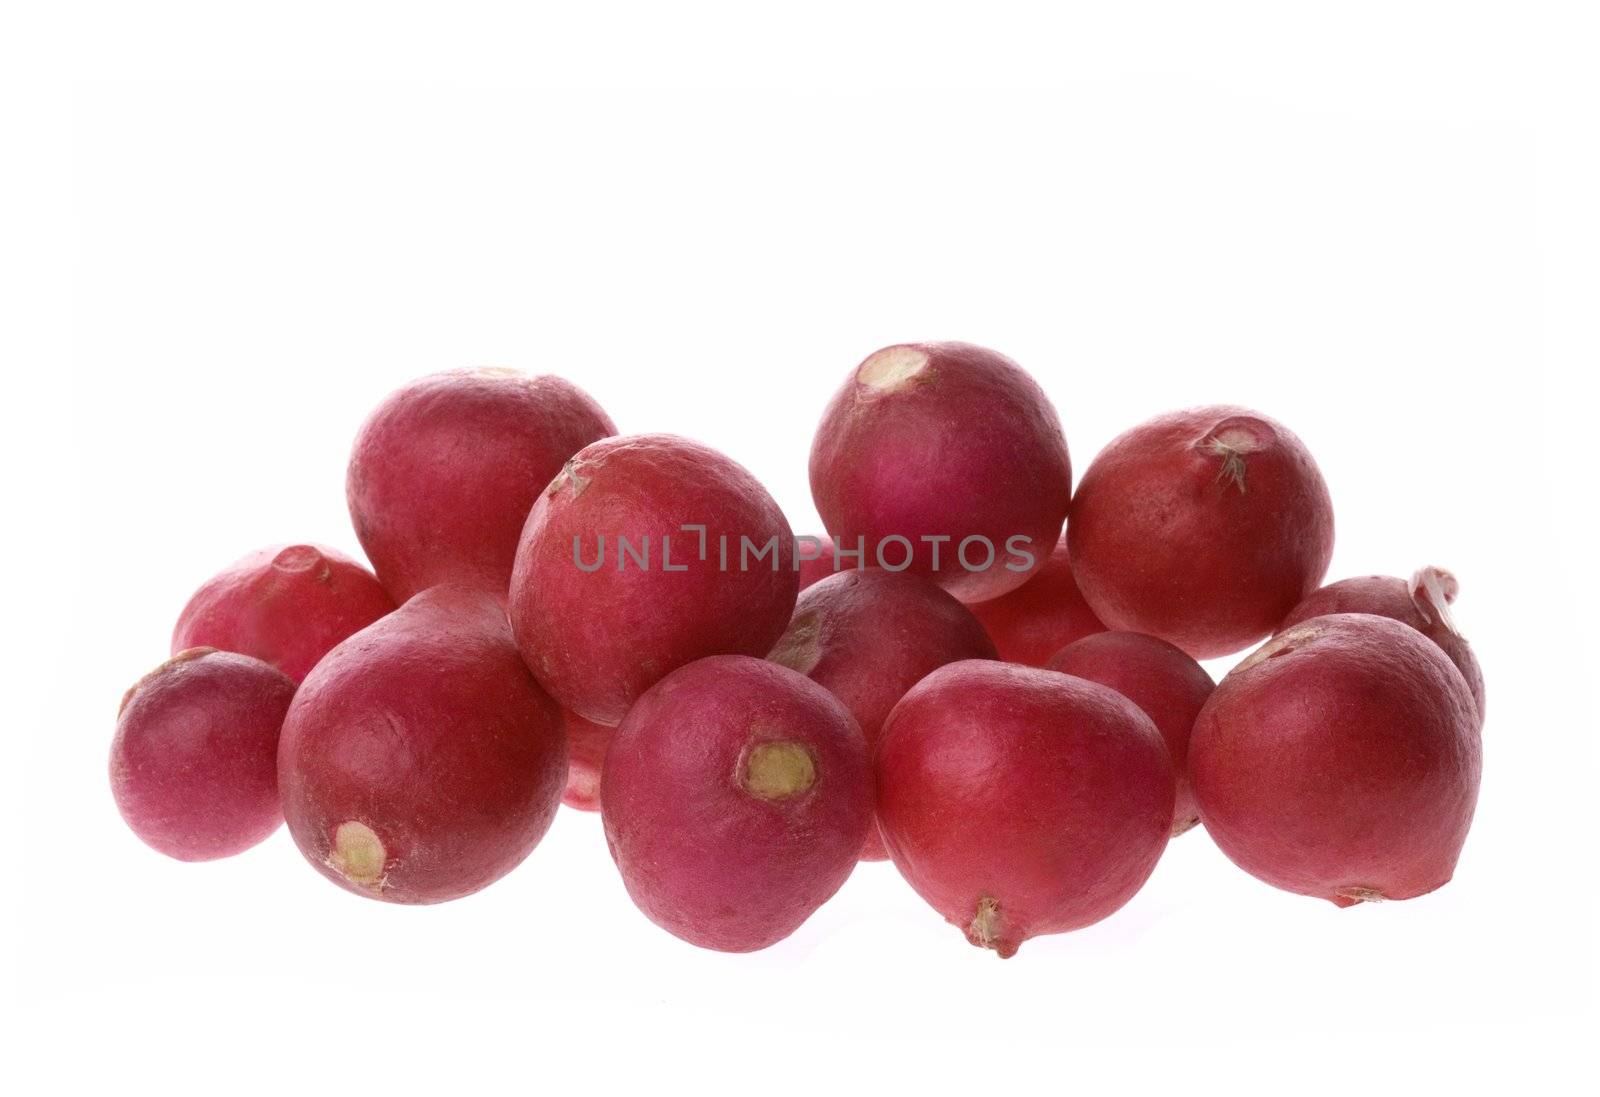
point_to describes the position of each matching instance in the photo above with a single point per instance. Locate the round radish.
(586, 755)
(814, 568)
(1167, 685)
(869, 636)
(646, 553)
(420, 761)
(1020, 802)
(1203, 527)
(288, 605)
(1042, 616)
(194, 761)
(1340, 760)
(1423, 603)
(444, 471)
(735, 797)
(945, 459)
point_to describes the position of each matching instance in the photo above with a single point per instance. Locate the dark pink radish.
(1167, 685)
(946, 459)
(444, 471)
(735, 797)
(1203, 527)
(1340, 760)
(647, 553)
(194, 761)
(420, 761)
(1042, 616)
(1020, 802)
(1423, 603)
(869, 636)
(288, 605)
(586, 756)
(814, 561)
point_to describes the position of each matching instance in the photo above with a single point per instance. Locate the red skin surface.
(1042, 616)
(1341, 760)
(966, 446)
(426, 731)
(1203, 527)
(817, 568)
(1167, 685)
(598, 639)
(704, 853)
(444, 471)
(287, 605)
(1423, 603)
(586, 755)
(869, 636)
(1020, 802)
(194, 761)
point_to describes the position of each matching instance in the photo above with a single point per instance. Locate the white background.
(232, 233)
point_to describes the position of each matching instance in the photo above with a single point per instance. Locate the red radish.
(1340, 760)
(1167, 685)
(1203, 527)
(194, 761)
(444, 471)
(945, 458)
(1042, 616)
(586, 755)
(288, 605)
(1423, 603)
(420, 761)
(647, 553)
(814, 568)
(735, 797)
(869, 636)
(1020, 802)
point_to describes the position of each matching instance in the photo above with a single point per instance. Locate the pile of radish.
(979, 673)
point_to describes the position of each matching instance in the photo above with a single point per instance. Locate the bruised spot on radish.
(777, 770)
(358, 854)
(891, 367)
(800, 647)
(1285, 643)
